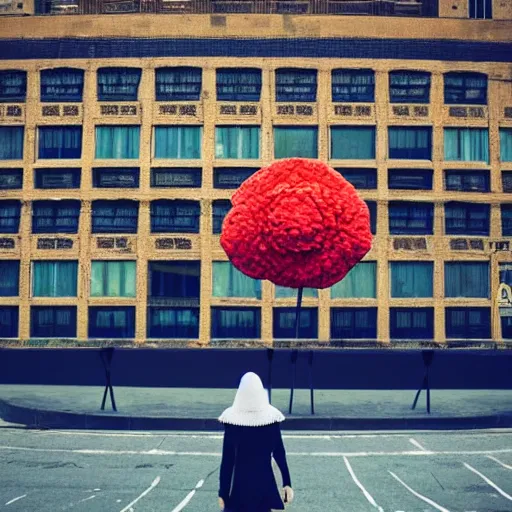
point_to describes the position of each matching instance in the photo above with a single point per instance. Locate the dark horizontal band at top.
(355, 48)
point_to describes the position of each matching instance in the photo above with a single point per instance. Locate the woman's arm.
(280, 458)
(228, 462)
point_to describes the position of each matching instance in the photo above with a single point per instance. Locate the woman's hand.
(221, 504)
(288, 494)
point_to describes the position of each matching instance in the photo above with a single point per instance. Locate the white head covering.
(251, 407)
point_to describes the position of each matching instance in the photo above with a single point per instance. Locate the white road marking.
(15, 499)
(418, 445)
(87, 499)
(118, 501)
(499, 462)
(81, 451)
(155, 482)
(418, 495)
(97, 489)
(188, 497)
(490, 482)
(367, 495)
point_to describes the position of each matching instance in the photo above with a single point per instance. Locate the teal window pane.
(506, 144)
(237, 142)
(411, 279)
(353, 142)
(283, 292)
(54, 278)
(113, 279)
(296, 141)
(360, 282)
(117, 142)
(466, 144)
(178, 142)
(228, 281)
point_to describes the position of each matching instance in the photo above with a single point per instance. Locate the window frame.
(215, 217)
(190, 285)
(196, 176)
(414, 332)
(297, 75)
(12, 266)
(130, 310)
(392, 155)
(185, 96)
(465, 230)
(214, 327)
(465, 179)
(21, 97)
(254, 96)
(13, 311)
(308, 332)
(353, 74)
(115, 96)
(506, 219)
(407, 98)
(244, 173)
(426, 175)
(55, 151)
(192, 333)
(66, 97)
(75, 177)
(157, 228)
(11, 178)
(351, 130)
(403, 231)
(457, 91)
(367, 179)
(467, 327)
(117, 204)
(100, 173)
(56, 328)
(14, 128)
(448, 265)
(11, 203)
(56, 205)
(367, 333)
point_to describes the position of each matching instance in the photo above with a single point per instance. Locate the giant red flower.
(297, 223)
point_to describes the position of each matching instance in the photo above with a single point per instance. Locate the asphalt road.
(51, 471)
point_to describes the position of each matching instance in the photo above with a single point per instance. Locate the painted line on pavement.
(188, 497)
(418, 445)
(155, 482)
(367, 495)
(16, 499)
(418, 495)
(489, 481)
(499, 462)
(84, 451)
(87, 499)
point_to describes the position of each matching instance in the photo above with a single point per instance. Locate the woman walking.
(252, 437)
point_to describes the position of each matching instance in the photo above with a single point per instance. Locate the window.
(178, 141)
(372, 207)
(467, 218)
(55, 216)
(480, 9)
(178, 84)
(465, 88)
(228, 281)
(360, 178)
(354, 323)
(175, 177)
(506, 219)
(118, 84)
(54, 278)
(411, 218)
(62, 85)
(353, 85)
(113, 278)
(9, 320)
(466, 279)
(283, 292)
(11, 179)
(236, 323)
(169, 323)
(115, 216)
(60, 142)
(221, 208)
(284, 323)
(468, 323)
(506, 144)
(410, 142)
(359, 283)
(295, 141)
(115, 177)
(409, 87)
(176, 280)
(298, 85)
(506, 180)
(467, 181)
(57, 178)
(412, 323)
(117, 142)
(237, 142)
(410, 179)
(466, 144)
(238, 84)
(175, 216)
(9, 278)
(353, 142)
(505, 276)
(411, 279)
(13, 86)
(231, 177)
(53, 322)
(112, 322)
(10, 212)
(11, 142)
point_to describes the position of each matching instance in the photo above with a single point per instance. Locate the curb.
(47, 419)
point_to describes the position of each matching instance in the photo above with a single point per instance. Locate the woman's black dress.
(247, 482)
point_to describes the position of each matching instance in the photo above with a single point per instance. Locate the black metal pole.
(311, 387)
(295, 353)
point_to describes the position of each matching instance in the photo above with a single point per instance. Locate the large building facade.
(123, 137)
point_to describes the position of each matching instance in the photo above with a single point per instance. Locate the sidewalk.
(197, 409)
